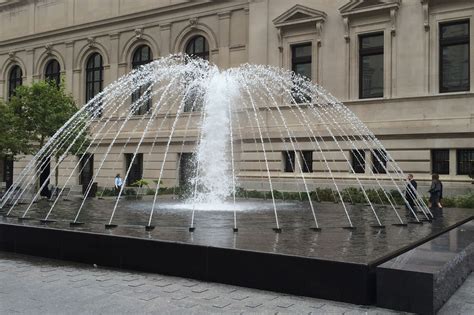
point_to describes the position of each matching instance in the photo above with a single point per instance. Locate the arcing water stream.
(223, 116)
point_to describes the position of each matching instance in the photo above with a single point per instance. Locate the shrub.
(107, 192)
(465, 201)
(130, 192)
(325, 194)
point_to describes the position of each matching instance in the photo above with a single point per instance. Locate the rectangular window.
(379, 162)
(454, 56)
(145, 103)
(87, 168)
(307, 161)
(358, 161)
(289, 159)
(301, 59)
(465, 162)
(194, 99)
(136, 170)
(440, 161)
(371, 65)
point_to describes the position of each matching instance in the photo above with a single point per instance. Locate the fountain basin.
(331, 263)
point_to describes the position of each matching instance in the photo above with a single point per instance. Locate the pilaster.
(165, 36)
(224, 39)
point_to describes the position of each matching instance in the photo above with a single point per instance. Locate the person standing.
(410, 191)
(435, 191)
(118, 184)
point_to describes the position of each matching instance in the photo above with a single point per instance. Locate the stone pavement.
(33, 285)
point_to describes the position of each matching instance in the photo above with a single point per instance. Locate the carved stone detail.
(426, 14)
(319, 32)
(393, 21)
(347, 37)
(91, 42)
(193, 22)
(47, 47)
(138, 33)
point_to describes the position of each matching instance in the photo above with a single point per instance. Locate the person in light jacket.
(118, 184)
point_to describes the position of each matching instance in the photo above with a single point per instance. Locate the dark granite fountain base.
(329, 263)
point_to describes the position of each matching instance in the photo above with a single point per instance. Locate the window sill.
(408, 98)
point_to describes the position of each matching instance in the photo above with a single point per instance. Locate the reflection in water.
(214, 228)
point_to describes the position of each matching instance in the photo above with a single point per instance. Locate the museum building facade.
(402, 66)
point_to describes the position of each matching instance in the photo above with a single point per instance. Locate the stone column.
(369, 162)
(70, 12)
(165, 40)
(114, 56)
(452, 162)
(69, 66)
(29, 64)
(224, 39)
(2, 89)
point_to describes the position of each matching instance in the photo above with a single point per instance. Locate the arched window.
(94, 76)
(142, 56)
(14, 80)
(52, 72)
(198, 47)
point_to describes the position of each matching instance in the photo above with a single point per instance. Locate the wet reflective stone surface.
(365, 244)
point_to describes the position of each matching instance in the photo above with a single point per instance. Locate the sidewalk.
(32, 285)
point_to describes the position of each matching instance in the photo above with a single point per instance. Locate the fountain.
(249, 103)
(233, 126)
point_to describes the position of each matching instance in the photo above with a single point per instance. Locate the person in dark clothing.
(440, 196)
(435, 191)
(410, 192)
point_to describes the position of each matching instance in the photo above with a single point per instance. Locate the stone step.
(424, 278)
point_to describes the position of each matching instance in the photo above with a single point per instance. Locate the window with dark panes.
(142, 56)
(198, 47)
(379, 162)
(94, 78)
(15, 79)
(52, 72)
(301, 59)
(289, 159)
(358, 161)
(454, 56)
(371, 65)
(440, 161)
(136, 167)
(307, 161)
(87, 169)
(465, 162)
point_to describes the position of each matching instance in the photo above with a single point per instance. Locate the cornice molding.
(10, 3)
(299, 14)
(119, 19)
(356, 7)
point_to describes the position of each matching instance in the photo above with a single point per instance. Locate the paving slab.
(31, 295)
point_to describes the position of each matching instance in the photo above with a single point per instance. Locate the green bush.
(326, 194)
(130, 192)
(107, 192)
(465, 201)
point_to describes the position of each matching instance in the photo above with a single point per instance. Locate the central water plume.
(213, 179)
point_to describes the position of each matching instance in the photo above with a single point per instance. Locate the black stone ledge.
(423, 279)
(340, 281)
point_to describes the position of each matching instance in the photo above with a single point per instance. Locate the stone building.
(402, 66)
